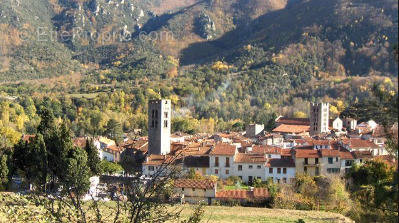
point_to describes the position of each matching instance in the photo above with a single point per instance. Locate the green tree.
(93, 159)
(114, 130)
(110, 167)
(3, 171)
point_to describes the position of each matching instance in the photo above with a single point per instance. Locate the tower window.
(152, 124)
(165, 114)
(165, 123)
(156, 124)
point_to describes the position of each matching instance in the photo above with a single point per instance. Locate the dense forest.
(96, 62)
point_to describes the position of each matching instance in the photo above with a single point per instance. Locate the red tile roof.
(359, 143)
(306, 153)
(346, 155)
(264, 149)
(329, 153)
(292, 128)
(249, 158)
(158, 160)
(27, 138)
(197, 184)
(286, 152)
(223, 149)
(293, 121)
(257, 193)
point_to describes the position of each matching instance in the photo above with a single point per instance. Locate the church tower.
(319, 118)
(159, 124)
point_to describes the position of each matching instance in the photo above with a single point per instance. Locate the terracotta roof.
(196, 161)
(197, 184)
(158, 160)
(223, 149)
(359, 143)
(346, 155)
(281, 163)
(292, 128)
(80, 142)
(114, 148)
(249, 158)
(257, 193)
(329, 153)
(196, 151)
(264, 149)
(293, 121)
(27, 138)
(362, 154)
(306, 153)
(286, 152)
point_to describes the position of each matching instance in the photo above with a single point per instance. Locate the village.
(318, 146)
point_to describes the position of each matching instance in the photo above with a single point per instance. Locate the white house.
(221, 158)
(280, 170)
(249, 167)
(337, 124)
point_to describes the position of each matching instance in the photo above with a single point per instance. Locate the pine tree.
(93, 159)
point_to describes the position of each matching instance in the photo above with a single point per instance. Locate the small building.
(254, 195)
(253, 130)
(195, 191)
(221, 160)
(350, 124)
(307, 161)
(337, 124)
(281, 170)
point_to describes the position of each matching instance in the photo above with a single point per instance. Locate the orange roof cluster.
(197, 184)
(158, 160)
(257, 193)
(80, 142)
(307, 153)
(359, 143)
(293, 121)
(264, 149)
(249, 158)
(330, 153)
(223, 149)
(292, 128)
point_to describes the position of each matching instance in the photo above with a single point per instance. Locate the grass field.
(24, 212)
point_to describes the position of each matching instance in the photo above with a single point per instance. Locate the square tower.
(159, 123)
(319, 118)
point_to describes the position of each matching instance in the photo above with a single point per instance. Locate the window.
(279, 170)
(250, 179)
(250, 167)
(156, 123)
(305, 169)
(270, 170)
(153, 113)
(330, 160)
(317, 171)
(165, 123)
(216, 171)
(204, 190)
(182, 189)
(258, 177)
(348, 163)
(278, 180)
(333, 170)
(227, 162)
(269, 156)
(284, 170)
(151, 168)
(227, 172)
(239, 167)
(193, 189)
(284, 180)
(165, 115)
(316, 160)
(336, 159)
(306, 161)
(152, 124)
(259, 166)
(240, 177)
(216, 161)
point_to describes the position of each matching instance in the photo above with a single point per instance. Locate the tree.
(93, 159)
(114, 130)
(375, 186)
(131, 160)
(110, 167)
(299, 114)
(3, 171)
